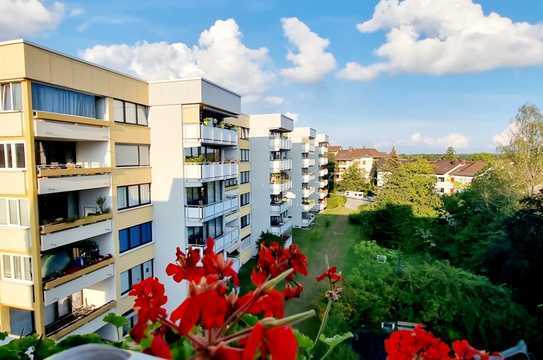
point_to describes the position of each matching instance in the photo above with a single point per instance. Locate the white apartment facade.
(271, 181)
(321, 172)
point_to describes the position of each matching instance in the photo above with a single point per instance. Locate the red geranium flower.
(215, 263)
(159, 347)
(293, 291)
(150, 298)
(464, 351)
(270, 303)
(416, 344)
(279, 342)
(187, 266)
(298, 260)
(332, 275)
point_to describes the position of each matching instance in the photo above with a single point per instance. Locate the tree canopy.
(354, 179)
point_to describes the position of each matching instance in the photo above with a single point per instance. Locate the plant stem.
(327, 352)
(324, 321)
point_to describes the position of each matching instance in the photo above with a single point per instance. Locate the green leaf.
(3, 335)
(304, 341)
(335, 340)
(182, 350)
(116, 320)
(249, 319)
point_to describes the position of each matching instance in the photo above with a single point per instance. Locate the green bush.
(335, 201)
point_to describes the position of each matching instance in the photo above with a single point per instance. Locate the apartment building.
(270, 178)
(321, 175)
(82, 215)
(455, 175)
(304, 173)
(364, 158)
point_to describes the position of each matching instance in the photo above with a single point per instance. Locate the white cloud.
(274, 100)
(503, 138)
(456, 140)
(20, 18)
(446, 36)
(311, 61)
(220, 56)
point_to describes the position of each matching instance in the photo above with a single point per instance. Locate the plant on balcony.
(100, 202)
(200, 159)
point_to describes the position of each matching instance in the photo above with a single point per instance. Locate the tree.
(450, 154)
(525, 148)
(354, 179)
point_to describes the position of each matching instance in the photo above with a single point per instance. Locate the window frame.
(245, 221)
(129, 273)
(138, 149)
(126, 194)
(12, 104)
(10, 155)
(245, 199)
(137, 116)
(19, 211)
(128, 232)
(244, 155)
(245, 177)
(23, 261)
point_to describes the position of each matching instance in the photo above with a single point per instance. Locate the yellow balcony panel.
(11, 124)
(81, 320)
(15, 239)
(72, 171)
(133, 216)
(91, 219)
(125, 304)
(84, 271)
(12, 182)
(130, 176)
(135, 257)
(244, 144)
(17, 294)
(74, 119)
(243, 188)
(244, 210)
(130, 134)
(244, 166)
(244, 232)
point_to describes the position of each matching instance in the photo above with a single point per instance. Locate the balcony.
(280, 187)
(69, 170)
(307, 147)
(50, 185)
(321, 206)
(323, 183)
(280, 165)
(204, 172)
(201, 213)
(90, 317)
(323, 172)
(280, 207)
(323, 194)
(306, 192)
(308, 206)
(228, 241)
(307, 178)
(307, 221)
(280, 143)
(308, 162)
(323, 161)
(69, 127)
(280, 228)
(323, 150)
(72, 272)
(17, 294)
(197, 134)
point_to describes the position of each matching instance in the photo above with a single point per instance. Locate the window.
(129, 113)
(243, 133)
(245, 220)
(12, 156)
(132, 318)
(64, 101)
(203, 153)
(21, 322)
(14, 212)
(230, 182)
(135, 236)
(10, 97)
(213, 228)
(131, 155)
(16, 267)
(133, 195)
(131, 277)
(244, 155)
(195, 235)
(244, 199)
(244, 177)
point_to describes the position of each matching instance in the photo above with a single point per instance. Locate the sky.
(418, 74)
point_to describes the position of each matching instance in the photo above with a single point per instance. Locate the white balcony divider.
(308, 192)
(69, 236)
(308, 162)
(323, 194)
(196, 134)
(55, 294)
(280, 144)
(323, 183)
(280, 187)
(307, 147)
(282, 228)
(211, 171)
(73, 183)
(203, 213)
(228, 240)
(278, 209)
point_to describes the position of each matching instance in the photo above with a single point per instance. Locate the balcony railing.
(203, 213)
(281, 228)
(281, 207)
(210, 171)
(323, 183)
(72, 170)
(228, 241)
(281, 165)
(74, 273)
(307, 221)
(308, 207)
(307, 178)
(307, 147)
(76, 319)
(306, 192)
(70, 127)
(323, 150)
(323, 172)
(323, 194)
(197, 134)
(50, 185)
(308, 162)
(280, 143)
(323, 161)
(67, 232)
(280, 187)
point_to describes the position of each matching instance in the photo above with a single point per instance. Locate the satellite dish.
(290, 195)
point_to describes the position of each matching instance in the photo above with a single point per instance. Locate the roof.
(334, 148)
(442, 167)
(470, 168)
(357, 153)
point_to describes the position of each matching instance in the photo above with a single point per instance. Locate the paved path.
(355, 203)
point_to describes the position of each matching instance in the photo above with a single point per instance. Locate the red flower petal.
(254, 342)
(281, 343)
(159, 347)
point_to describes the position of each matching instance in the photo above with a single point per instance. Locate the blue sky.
(463, 90)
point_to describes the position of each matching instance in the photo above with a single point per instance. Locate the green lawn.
(332, 235)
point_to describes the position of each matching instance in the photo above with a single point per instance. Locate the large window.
(12, 156)
(203, 153)
(129, 113)
(213, 228)
(10, 97)
(244, 155)
(244, 177)
(21, 322)
(210, 193)
(133, 195)
(16, 267)
(132, 318)
(131, 155)
(135, 236)
(245, 199)
(195, 235)
(64, 101)
(243, 133)
(14, 212)
(131, 277)
(245, 220)
(230, 182)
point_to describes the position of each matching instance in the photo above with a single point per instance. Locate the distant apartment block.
(364, 158)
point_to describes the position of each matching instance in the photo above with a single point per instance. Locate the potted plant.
(100, 202)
